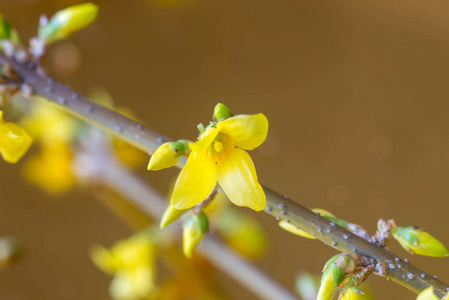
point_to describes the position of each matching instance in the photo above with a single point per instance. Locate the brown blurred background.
(356, 94)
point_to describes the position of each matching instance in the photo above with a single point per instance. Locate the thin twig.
(279, 206)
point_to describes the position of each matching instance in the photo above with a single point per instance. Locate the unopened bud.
(415, 240)
(167, 155)
(67, 21)
(170, 215)
(221, 112)
(329, 281)
(194, 230)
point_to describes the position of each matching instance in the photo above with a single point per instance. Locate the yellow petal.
(293, 229)
(246, 131)
(205, 140)
(14, 141)
(103, 259)
(427, 294)
(237, 176)
(195, 182)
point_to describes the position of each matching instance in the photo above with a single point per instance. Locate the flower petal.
(205, 140)
(246, 131)
(237, 176)
(195, 182)
(14, 141)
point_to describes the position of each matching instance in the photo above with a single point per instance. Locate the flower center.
(218, 146)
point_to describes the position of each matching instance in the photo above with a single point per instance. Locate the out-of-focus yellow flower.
(415, 240)
(428, 294)
(241, 232)
(51, 169)
(126, 153)
(132, 263)
(219, 155)
(49, 125)
(67, 21)
(14, 141)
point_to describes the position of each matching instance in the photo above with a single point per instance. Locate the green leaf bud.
(415, 240)
(194, 230)
(67, 21)
(221, 112)
(5, 28)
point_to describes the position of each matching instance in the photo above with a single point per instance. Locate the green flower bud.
(194, 230)
(428, 294)
(167, 155)
(67, 21)
(171, 214)
(221, 112)
(415, 240)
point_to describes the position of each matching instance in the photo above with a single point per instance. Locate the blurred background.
(356, 96)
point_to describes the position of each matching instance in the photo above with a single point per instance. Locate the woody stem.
(279, 206)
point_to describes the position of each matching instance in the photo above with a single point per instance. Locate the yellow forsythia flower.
(51, 169)
(14, 141)
(219, 155)
(132, 263)
(427, 294)
(49, 124)
(67, 21)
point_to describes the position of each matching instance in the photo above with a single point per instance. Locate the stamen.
(218, 147)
